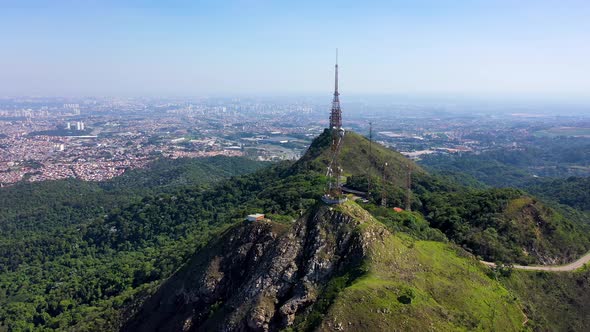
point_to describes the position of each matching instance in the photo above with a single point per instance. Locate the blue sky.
(499, 48)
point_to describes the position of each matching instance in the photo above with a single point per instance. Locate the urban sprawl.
(97, 139)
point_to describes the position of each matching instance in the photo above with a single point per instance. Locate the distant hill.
(572, 191)
(557, 157)
(508, 225)
(45, 204)
(163, 174)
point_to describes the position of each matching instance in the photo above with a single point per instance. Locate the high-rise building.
(75, 108)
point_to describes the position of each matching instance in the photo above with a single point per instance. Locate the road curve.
(554, 268)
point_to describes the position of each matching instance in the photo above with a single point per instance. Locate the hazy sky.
(191, 48)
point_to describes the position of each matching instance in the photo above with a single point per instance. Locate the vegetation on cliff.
(507, 225)
(60, 265)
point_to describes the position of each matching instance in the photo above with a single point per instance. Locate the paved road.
(569, 267)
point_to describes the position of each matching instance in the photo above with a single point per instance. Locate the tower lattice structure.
(336, 112)
(334, 191)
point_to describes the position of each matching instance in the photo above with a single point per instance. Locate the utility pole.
(370, 159)
(409, 188)
(384, 190)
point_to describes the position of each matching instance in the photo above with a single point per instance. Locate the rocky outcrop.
(258, 276)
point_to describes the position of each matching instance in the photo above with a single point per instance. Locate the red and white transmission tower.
(334, 191)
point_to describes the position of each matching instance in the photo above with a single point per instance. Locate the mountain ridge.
(333, 260)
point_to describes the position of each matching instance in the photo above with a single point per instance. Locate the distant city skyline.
(529, 49)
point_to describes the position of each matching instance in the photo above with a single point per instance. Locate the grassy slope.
(354, 156)
(452, 292)
(554, 301)
(447, 291)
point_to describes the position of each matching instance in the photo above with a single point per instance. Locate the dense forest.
(572, 191)
(506, 225)
(60, 264)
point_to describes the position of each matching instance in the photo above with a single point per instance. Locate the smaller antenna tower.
(409, 188)
(384, 190)
(370, 159)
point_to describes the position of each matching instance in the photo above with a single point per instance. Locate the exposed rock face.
(258, 276)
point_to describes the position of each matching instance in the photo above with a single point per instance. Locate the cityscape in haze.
(265, 166)
(430, 75)
(95, 139)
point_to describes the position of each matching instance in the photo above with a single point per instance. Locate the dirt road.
(568, 267)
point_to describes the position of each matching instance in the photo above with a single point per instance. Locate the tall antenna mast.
(334, 190)
(336, 76)
(336, 112)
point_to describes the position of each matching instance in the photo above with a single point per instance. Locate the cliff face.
(260, 276)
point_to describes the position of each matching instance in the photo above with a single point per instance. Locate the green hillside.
(508, 225)
(44, 205)
(355, 158)
(64, 262)
(557, 157)
(165, 174)
(420, 285)
(572, 191)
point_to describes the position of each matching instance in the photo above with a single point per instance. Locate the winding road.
(554, 268)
